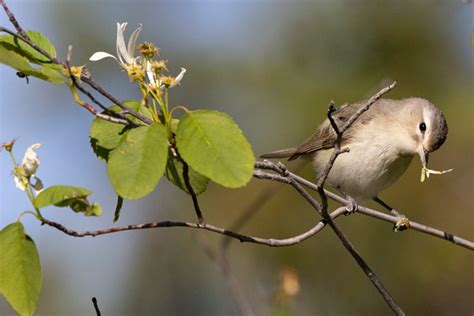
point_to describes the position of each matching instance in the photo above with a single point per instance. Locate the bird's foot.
(352, 206)
(282, 168)
(401, 224)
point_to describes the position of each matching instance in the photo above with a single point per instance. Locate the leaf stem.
(28, 212)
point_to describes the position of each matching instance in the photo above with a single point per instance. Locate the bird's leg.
(402, 223)
(351, 206)
(388, 207)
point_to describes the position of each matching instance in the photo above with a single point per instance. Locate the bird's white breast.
(371, 166)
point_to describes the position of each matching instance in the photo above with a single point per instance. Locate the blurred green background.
(274, 66)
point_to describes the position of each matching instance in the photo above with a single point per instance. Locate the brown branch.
(122, 119)
(367, 105)
(459, 241)
(189, 187)
(96, 306)
(114, 100)
(164, 224)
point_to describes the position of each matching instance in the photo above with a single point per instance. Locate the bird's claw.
(352, 206)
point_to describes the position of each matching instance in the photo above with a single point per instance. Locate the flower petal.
(30, 161)
(18, 183)
(150, 73)
(121, 49)
(132, 42)
(101, 55)
(179, 77)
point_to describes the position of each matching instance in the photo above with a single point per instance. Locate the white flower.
(125, 54)
(25, 173)
(168, 81)
(151, 75)
(178, 78)
(18, 182)
(30, 162)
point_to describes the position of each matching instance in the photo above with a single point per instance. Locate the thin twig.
(367, 105)
(122, 119)
(272, 242)
(189, 187)
(96, 306)
(114, 100)
(459, 241)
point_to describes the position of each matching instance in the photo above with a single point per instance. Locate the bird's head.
(427, 127)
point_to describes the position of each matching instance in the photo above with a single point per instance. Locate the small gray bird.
(382, 143)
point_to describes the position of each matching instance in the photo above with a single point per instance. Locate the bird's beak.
(423, 156)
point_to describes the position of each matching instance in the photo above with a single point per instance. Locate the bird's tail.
(283, 153)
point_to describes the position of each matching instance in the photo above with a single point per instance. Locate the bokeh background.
(274, 66)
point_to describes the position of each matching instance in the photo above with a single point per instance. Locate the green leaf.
(105, 135)
(68, 196)
(40, 40)
(52, 74)
(16, 54)
(23, 49)
(20, 269)
(174, 173)
(57, 194)
(20, 63)
(213, 145)
(136, 165)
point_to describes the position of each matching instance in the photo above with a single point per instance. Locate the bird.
(381, 144)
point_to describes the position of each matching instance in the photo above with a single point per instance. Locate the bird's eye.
(423, 127)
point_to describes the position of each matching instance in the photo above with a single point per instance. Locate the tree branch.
(96, 306)
(459, 241)
(114, 100)
(121, 119)
(190, 189)
(272, 242)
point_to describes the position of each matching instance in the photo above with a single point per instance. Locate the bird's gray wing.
(325, 136)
